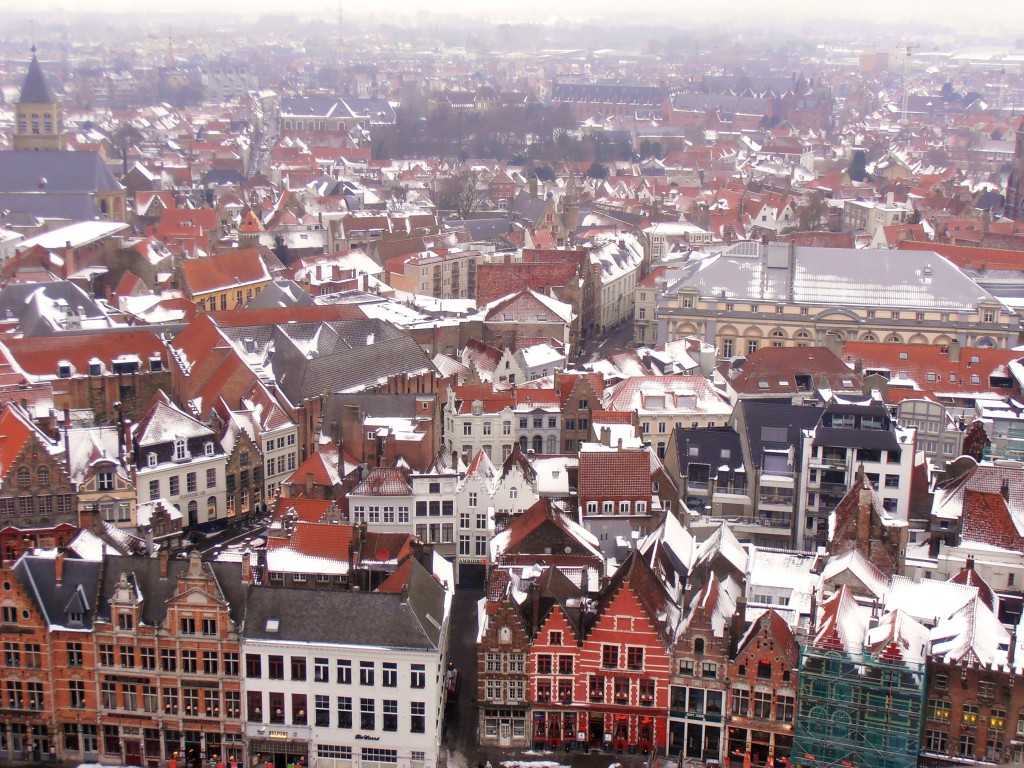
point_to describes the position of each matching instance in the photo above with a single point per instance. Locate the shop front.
(280, 749)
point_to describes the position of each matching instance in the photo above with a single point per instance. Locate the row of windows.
(188, 661)
(43, 504)
(191, 484)
(298, 713)
(624, 507)
(321, 668)
(191, 701)
(380, 514)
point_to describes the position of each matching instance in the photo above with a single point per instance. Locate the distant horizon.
(960, 18)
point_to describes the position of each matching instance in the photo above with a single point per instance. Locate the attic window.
(762, 385)
(95, 367)
(155, 364)
(273, 625)
(64, 369)
(151, 459)
(931, 377)
(726, 453)
(693, 450)
(903, 355)
(208, 448)
(848, 383)
(975, 359)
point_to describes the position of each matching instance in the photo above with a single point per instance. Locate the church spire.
(36, 89)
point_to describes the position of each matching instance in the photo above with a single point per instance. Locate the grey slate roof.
(776, 426)
(350, 618)
(281, 293)
(144, 574)
(345, 356)
(836, 277)
(482, 229)
(36, 88)
(709, 443)
(75, 593)
(74, 206)
(26, 302)
(381, 406)
(526, 206)
(63, 171)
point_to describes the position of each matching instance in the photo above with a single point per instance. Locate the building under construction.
(856, 710)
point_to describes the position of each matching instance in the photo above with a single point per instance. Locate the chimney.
(535, 605)
(86, 518)
(58, 565)
(309, 485)
(814, 610)
(1011, 652)
(405, 593)
(863, 509)
(970, 563)
(67, 426)
(954, 351)
(164, 557)
(1004, 489)
(246, 566)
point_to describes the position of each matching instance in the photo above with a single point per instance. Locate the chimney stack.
(58, 565)
(164, 558)
(246, 566)
(954, 351)
(1004, 489)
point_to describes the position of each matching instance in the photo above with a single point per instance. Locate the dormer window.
(95, 367)
(63, 370)
(208, 448)
(151, 459)
(180, 450)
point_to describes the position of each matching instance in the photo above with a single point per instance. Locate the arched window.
(538, 444)
(552, 444)
(869, 337)
(698, 645)
(24, 477)
(211, 507)
(523, 444)
(43, 473)
(180, 453)
(892, 338)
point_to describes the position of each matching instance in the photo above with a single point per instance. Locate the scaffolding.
(857, 711)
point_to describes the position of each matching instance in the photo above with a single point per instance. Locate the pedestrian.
(487, 764)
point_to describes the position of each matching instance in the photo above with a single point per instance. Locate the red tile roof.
(224, 271)
(987, 520)
(773, 370)
(614, 475)
(39, 356)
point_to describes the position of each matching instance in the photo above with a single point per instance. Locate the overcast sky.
(1007, 18)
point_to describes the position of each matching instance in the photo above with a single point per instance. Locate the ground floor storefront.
(750, 745)
(619, 731)
(504, 727)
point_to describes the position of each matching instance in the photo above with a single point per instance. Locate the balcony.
(775, 496)
(833, 461)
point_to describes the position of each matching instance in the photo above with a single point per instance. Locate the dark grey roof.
(482, 229)
(706, 446)
(223, 176)
(613, 93)
(763, 420)
(377, 110)
(36, 88)
(144, 574)
(30, 304)
(281, 293)
(345, 356)
(76, 592)
(526, 206)
(73, 206)
(350, 618)
(314, 106)
(63, 171)
(381, 406)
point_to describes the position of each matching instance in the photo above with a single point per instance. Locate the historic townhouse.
(780, 294)
(624, 661)
(97, 467)
(179, 459)
(614, 488)
(27, 729)
(762, 694)
(349, 677)
(700, 660)
(35, 491)
(167, 643)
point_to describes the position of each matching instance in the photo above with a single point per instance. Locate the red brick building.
(762, 694)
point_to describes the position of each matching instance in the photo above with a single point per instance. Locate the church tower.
(1015, 184)
(39, 119)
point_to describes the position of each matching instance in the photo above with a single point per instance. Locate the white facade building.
(348, 679)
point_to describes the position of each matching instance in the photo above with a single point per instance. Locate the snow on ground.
(531, 764)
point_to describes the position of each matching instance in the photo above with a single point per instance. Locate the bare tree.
(462, 193)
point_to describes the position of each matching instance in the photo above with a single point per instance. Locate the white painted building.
(177, 458)
(617, 265)
(349, 679)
